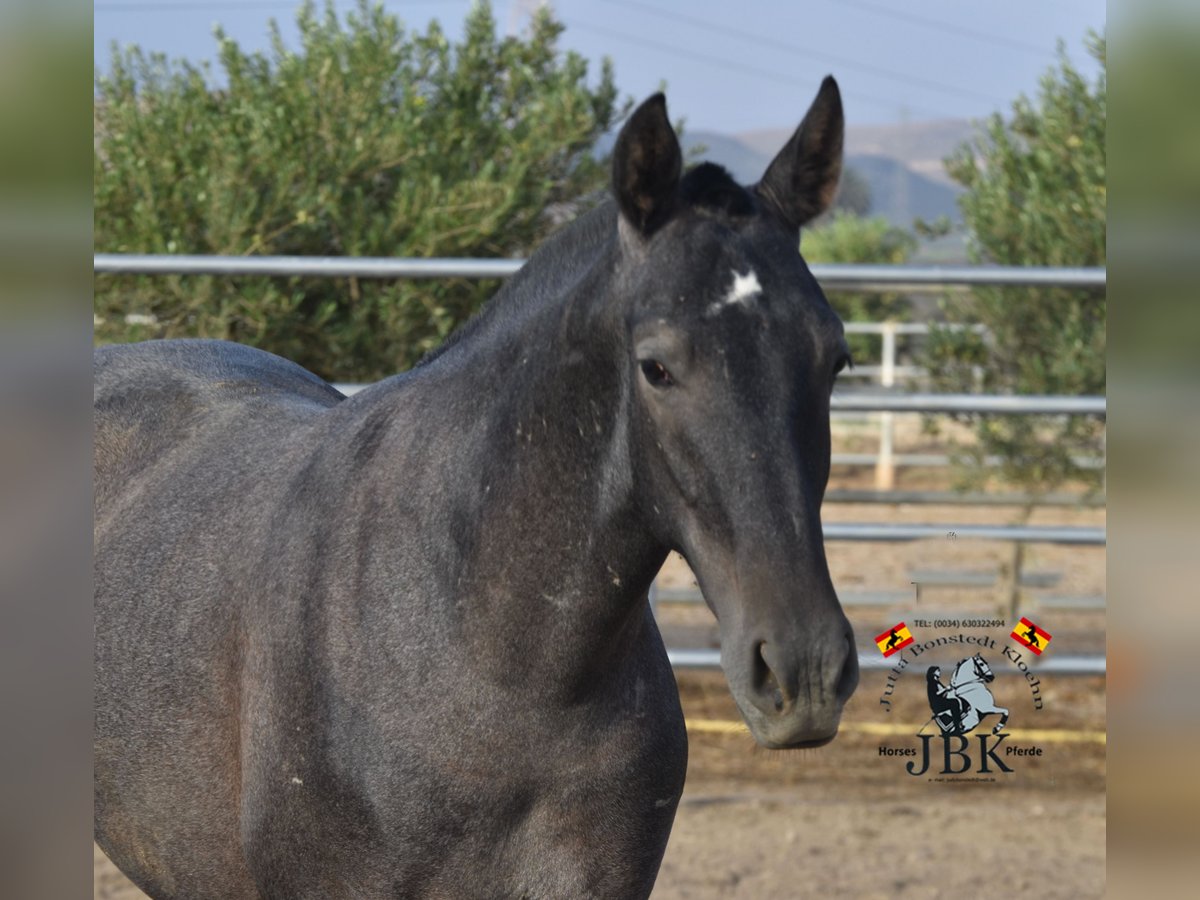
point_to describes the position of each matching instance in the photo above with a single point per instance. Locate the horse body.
(398, 644)
(331, 573)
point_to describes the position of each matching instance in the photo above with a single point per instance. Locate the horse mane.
(559, 260)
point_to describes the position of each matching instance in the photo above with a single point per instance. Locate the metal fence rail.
(302, 266)
(831, 275)
(970, 403)
(936, 403)
(1078, 535)
(938, 460)
(1060, 665)
(963, 498)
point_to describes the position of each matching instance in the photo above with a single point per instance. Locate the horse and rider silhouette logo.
(958, 707)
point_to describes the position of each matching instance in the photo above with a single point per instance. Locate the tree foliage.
(1035, 195)
(369, 140)
(848, 238)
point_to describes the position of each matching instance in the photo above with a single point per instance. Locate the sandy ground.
(844, 821)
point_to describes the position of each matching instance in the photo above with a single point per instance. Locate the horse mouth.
(777, 736)
(810, 744)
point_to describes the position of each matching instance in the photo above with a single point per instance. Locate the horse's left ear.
(647, 163)
(800, 182)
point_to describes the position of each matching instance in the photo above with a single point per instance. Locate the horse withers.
(399, 644)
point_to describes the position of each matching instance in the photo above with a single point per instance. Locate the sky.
(727, 67)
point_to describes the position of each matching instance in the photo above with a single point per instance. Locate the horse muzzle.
(791, 695)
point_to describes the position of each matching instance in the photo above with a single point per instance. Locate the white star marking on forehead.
(744, 289)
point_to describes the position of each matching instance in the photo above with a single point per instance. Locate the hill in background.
(902, 164)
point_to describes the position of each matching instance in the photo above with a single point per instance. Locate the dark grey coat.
(398, 644)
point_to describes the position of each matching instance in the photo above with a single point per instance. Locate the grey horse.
(398, 644)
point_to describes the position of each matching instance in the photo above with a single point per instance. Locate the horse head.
(982, 670)
(730, 351)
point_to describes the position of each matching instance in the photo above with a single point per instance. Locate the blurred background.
(977, 134)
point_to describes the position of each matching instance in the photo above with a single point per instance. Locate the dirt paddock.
(843, 821)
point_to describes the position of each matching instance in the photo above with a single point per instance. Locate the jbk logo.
(957, 708)
(954, 756)
(958, 705)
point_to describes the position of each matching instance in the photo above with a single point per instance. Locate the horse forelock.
(710, 187)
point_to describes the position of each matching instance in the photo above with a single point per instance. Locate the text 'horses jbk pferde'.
(399, 644)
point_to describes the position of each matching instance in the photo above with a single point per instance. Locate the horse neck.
(969, 674)
(535, 292)
(540, 465)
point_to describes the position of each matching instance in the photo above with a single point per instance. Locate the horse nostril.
(848, 679)
(766, 681)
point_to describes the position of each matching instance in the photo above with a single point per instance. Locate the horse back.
(152, 399)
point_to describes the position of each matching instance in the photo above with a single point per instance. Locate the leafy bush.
(847, 238)
(367, 141)
(1036, 195)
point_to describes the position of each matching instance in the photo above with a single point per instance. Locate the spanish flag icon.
(894, 639)
(1031, 636)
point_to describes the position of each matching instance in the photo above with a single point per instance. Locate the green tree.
(847, 238)
(368, 141)
(1035, 195)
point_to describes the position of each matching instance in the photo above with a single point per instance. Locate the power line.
(228, 6)
(732, 65)
(190, 7)
(726, 30)
(946, 27)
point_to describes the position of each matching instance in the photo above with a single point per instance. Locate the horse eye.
(841, 364)
(656, 373)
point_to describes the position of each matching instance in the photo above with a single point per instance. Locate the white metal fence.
(832, 277)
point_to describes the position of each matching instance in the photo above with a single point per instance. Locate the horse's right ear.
(647, 163)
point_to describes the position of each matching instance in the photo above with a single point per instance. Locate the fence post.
(885, 466)
(1014, 581)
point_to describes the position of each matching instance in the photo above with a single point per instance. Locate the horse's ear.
(646, 166)
(800, 182)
